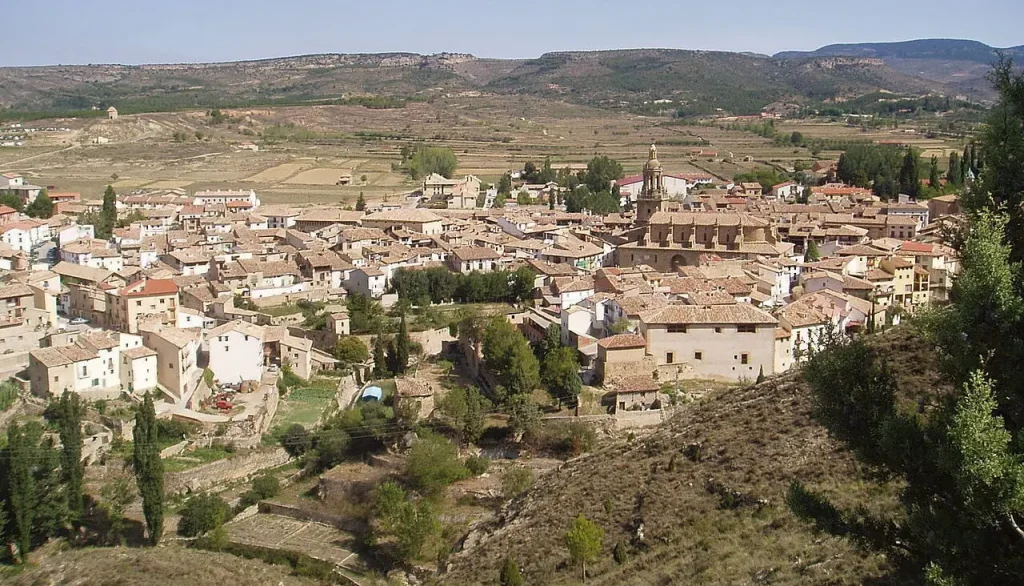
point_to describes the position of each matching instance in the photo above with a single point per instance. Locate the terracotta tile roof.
(138, 352)
(741, 313)
(50, 357)
(150, 287)
(475, 253)
(620, 341)
(635, 384)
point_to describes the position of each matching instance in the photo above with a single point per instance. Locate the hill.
(962, 64)
(697, 81)
(709, 487)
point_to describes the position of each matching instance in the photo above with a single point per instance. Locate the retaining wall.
(215, 473)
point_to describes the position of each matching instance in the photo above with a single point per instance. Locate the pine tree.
(69, 420)
(402, 348)
(380, 365)
(149, 468)
(41, 207)
(360, 203)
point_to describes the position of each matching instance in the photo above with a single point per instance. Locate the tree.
(361, 202)
(507, 353)
(600, 173)
(203, 513)
(107, 219)
(796, 138)
(547, 173)
(37, 505)
(812, 254)
(910, 173)
(524, 198)
(933, 173)
(409, 524)
(380, 362)
(11, 200)
(41, 206)
(551, 341)
(21, 487)
(561, 374)
(350, 350)
(523, 415)
(760, 376)
(583, 540)
(505, 184)
(954, 175)
(149, 468)
(402, 348)
(464, 410)
(516, 481)
(70, 412)
(426, 160)
(296, 440)
(433, 463)
(510, 574)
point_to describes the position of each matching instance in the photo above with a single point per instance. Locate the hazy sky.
(42, 32)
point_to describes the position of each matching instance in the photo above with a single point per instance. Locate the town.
(561, 304)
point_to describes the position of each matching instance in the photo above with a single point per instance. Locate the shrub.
(510, 574)
(296, 440)
(478, 464)
(619, 553)
(203, 513)
(266, 486)
(515, 481)
(433, 464)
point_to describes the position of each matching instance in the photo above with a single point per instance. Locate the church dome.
(653, 164)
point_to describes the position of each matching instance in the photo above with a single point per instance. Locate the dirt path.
(19, 161)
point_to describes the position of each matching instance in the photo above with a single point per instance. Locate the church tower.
(653, 193)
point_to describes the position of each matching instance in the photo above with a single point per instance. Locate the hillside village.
(219, 307)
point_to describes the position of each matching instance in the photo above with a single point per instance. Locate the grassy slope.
(167, 565)
(755, 441)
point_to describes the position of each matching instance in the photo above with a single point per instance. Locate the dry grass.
(754, 441)
(168, 565)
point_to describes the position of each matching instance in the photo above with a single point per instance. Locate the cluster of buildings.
(697, 281)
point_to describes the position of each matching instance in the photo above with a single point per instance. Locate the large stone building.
(653, 192)
(676, 239)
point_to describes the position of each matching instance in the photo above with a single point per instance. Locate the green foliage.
(516, 481)
(203, 513)
(9, 393)
(620, 554)
(36, 504)
(552, 341)
(264, 486)
(11, 200)
(361, 202)
(116, 495)
(812, 254)
(105, 222)
(409, 524)
(523, 415)
(350, 350)
(601, 171)
(296, 440)
(463, 410)
(507, 353)
(504, 185)
(523, 198)
(380, 362)
(426, 160)
(399, 361)
(439, 285)
(910, 173)
(41, 206)
(149, 468)
(871, 165)
(477, 465)
(365, 314)
(560, 373)
(433, 463)
(584, 198)
(510, 574)
(583, 540)
(766, 176)
(70, 411)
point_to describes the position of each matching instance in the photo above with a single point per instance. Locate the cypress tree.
(953, 175)
(360, 203)
(70, 412)
(149, 469)
(380, 365)
(21, 487)
(933, 173)
(910, 174)
(402, 348)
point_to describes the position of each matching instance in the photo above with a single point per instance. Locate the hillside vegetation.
(701, 81)
(709, 489)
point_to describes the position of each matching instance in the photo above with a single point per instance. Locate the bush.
(620, 554)
(515, 481)
(478, 464)
(203, 513)
(266, 486)
(296, 440)
(172, 430)
(510, 574)
(433, 464)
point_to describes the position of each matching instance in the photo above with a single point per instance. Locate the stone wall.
(634, 419)
(222, 471)
(337, 521)
(310, 294)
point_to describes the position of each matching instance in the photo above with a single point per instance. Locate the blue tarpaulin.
(372, 394)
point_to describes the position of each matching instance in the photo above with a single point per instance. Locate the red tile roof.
(150, 287)
(621, 341)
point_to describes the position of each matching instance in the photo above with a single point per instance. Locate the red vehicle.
(224, 405)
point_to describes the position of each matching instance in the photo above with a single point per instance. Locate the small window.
(698, 355)
(138, 303)
(670, 357)
(746, 328)
(718, 329)
(676, 329)
(744, 358)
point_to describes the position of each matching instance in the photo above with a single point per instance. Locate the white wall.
(236, 357)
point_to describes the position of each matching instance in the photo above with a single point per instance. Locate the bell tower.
(653, 193)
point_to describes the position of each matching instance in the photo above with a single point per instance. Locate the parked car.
(225, 405)
(77, 321)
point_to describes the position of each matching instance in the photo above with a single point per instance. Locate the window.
(698, 355)
(746, 328)
(670, 357)
(138, 303)
(227, 348)
(718, 329)
(744, 358)
(676, 329)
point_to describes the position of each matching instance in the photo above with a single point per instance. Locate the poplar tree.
(402, 348)
(149, 469)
